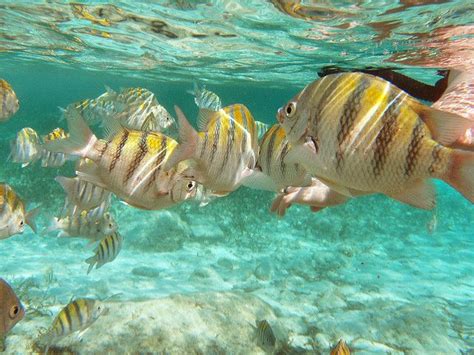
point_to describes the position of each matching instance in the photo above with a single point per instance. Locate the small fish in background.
(11, 310)
(76, 316)
(26, 147)
(206, 99)
(432, 224)
(106, 251)
(265, 336)
(129, 164)
(341, 348)
(83, 225)
(50, 159)
(262, 128)
(82, 195)
(362, 135)
(225, 149)
(93, 110)
(13, 215)
(9, 104)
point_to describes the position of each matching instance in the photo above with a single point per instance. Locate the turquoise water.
(385, 277)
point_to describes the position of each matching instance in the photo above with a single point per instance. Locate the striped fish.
(206, 99)
(93, 110)
(129, 164)
(275, 161)
(265, 336)
(360, 135)
(13, 215)
(262, 128)
(83, 195)
(84, 225)
(225, 148)
(341, 348)
(106, 252)
(76, 316)
(26, 147)
(50, 159)
(9, 104)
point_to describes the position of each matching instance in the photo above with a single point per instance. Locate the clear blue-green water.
(381, 275)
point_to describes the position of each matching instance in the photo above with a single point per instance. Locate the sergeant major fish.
(26, 148)
(9, 104)
(83, 225)
(11, 310)
(206, 99)
(360, 135)
(340, 349)
(13, 215)
(106, 252)
(225, 148)
(265, 336)
(76, 316)
(129, 164)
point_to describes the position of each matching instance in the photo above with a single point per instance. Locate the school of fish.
(344, 135)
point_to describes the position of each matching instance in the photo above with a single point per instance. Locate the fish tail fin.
(30, 218)
(66, 183)
(188, 141)
(91, 261)
(80, 140)
(460, 175)
(53, 226)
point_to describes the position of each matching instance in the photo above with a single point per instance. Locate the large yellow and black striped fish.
(129, 164)
(225, 148)
(106, 251)
(9, 104)
(265, 336)
(26, 148)
(13, 215)
(76, 316)
(50, 159)
(360, 135)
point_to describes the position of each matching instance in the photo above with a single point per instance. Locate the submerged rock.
(206, 323)
(146, 271)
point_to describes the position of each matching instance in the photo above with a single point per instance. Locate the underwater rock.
(204, 323)
(226, 263)
(373, 347)
(207, 231)
(263, 271)
(146, 271)
(322, 341)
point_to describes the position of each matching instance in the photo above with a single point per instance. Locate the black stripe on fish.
(160, 157)
(103, 149)
(215, 143)
(414, 148)
(284, 152)
(139, 156)
(386, 134)
(436, 161)
(118, 151)
(67, 313)
(230, 143)
(78, 311)
(348, 117)
(204, 145)
(270, 149)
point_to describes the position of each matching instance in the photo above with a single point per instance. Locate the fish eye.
(191, 185)
(22, 223)
(290, 109)
(14, 311)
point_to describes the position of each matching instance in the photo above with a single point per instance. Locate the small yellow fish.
(83, 225)
(359, 134)
(50, 159)
(11, 309)
(129, 164)
(9, 104)
(26, 148)
(341, 348)
(206, 99)
(106, 252)
(225, 149)
(13, 215)
(78, 315)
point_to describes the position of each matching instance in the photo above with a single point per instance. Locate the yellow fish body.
(106, 252)
(9, 104)
(360, 134)
(224, 149)
(13, 215)
(129, 164)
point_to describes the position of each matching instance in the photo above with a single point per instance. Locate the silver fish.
(9, 104)
(26, 148)
(206, 99)
(106, 252)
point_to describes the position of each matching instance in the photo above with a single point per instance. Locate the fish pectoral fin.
(204, 116)
(30, 218)
(420, 194)
(445, 127)
(258, 180)
(343, 190)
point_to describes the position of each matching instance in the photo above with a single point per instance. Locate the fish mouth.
(279, 115)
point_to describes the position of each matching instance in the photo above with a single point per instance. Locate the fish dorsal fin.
(421, 194)
(111, 126)
(204, 117)
(445, 127)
